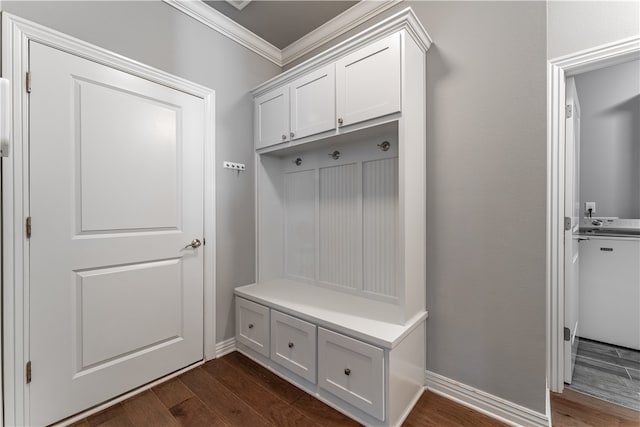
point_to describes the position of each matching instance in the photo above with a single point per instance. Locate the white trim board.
(557, 71)
(215, 20)
(483, 402)
(405, 19)
(225, 347)
(347, 20)
(16, 34)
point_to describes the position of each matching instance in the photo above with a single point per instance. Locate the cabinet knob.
(292, 134)
(290, 345)
(250, 325)
(340, 121)
(284, 137)
(347, 371)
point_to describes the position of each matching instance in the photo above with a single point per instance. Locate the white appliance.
(610, 282)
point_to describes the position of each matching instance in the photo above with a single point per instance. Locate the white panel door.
(116, 192)
(368, 82)
(313, 103)
(271, 115)
(571, 234)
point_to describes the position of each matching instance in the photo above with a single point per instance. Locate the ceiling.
(282, 22)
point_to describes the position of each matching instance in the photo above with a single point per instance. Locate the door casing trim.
(557, 70)
(16, 34)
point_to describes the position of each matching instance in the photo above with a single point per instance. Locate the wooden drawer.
(352, 370)
(252, 325)
(293, 345)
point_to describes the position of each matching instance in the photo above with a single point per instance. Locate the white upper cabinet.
(368, 81)
(362, 85)
(313, 103)
(271, 112)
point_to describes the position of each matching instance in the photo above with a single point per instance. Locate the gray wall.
(486, 158)
(158, 35)
(610, 139)
(579, 25)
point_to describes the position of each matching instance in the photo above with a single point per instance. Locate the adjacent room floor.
(608, 372)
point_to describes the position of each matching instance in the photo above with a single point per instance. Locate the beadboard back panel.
(300, 224)
(380, 226)
(340, 229)
(339, 213)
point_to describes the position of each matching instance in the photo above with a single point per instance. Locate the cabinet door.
(368, 82)
(271, 112)
(313, 103)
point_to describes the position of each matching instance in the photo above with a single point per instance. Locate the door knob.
(195, 243)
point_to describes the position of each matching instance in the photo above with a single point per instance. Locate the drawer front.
(252, 325)
(352, 370)
(293, 345)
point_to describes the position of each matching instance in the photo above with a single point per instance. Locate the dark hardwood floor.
(235, 391)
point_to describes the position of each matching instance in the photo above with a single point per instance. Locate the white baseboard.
(225, 347)
(488, 404)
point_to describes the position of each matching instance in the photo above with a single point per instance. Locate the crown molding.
(405, 19)
(347, 20)
(217, 21)
(238, 4)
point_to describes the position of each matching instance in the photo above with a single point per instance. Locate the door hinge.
(567, 223)
(28, 371)
(568, 111)
(28, 81)
(567, 334)
(28, 227)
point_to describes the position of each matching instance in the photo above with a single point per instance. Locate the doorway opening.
(594, 223)
(602, 253)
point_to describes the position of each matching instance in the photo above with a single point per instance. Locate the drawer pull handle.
(290, 345)
(250, 325)
(347, 371)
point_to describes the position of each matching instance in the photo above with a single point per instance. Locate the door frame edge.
(16, 34)
(558, 69)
